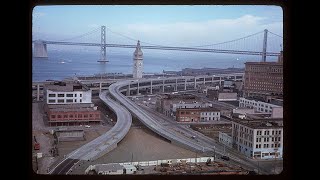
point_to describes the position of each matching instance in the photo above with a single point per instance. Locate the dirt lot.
(212, 131)
(140, 144)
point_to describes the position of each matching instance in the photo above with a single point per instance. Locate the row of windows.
(62, 95)
(76, 116)
(267, 145)
(209, 118)
(266, 68)
(63, 100)
(266, 132)
(210, 113)
(266, 139)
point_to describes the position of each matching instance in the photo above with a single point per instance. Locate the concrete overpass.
(152, 85)
(177, 135)
(102, 144)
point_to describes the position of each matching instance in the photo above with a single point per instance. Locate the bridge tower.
(103, 58)
(137, 62)
(40, 49)
(264, 50)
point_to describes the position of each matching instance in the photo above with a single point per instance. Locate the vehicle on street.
(225, 158)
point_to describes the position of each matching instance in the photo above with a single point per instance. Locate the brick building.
(72, 115)
(263, 79)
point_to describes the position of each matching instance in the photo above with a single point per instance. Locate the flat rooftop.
(263, 63)
(265, 123)
(71, 107)
(201, 109)
(66, 86)
(108, 167)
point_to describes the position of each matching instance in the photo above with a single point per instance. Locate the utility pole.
(131, 158)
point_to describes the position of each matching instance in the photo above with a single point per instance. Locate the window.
(75, 95)
(59, 116)
(279, 138)
(52, 95)
(259, 145)
(85, 116)
(71, 116)
(267, 145)
(79, 115)
(280, 132)
(272, 145)
(278, 145)
(53, 116)
(272, 138)
(90, 115)
(52, 101)
(60, 95)
(80, 100)
(75, 100)
(69, 95)
(80, 95)
(65, 116)
(69, 100)
(60, 100)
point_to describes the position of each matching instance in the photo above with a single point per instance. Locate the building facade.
(197, 115)
(221, 96)
(182, 104)
(263, 79)
(260, 106)
(72, 114)
(225, 139)
(164, 103)
(137, 62)
(258, 139)
(66, 93)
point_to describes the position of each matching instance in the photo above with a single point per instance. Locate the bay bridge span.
(236, 46)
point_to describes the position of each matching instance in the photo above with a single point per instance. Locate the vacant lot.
(140, 144)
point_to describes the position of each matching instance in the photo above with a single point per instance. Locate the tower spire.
(137, 62)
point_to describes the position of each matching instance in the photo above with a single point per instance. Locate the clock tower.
(137, 62)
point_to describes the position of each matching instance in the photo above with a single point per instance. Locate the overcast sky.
(164, 25)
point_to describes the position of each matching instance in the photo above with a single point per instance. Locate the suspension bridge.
(254, 44)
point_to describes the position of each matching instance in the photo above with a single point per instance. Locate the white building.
(67, 93)
(209, 114)
(109, 169)
(129, 169)
(225, 139)
(137, 62)
(259, 106)
(258, 139)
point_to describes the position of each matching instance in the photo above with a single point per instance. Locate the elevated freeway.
(177, 135)
(102, 144)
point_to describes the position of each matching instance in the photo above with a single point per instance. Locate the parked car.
(225, 158)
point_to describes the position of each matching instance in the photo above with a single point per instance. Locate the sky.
(163, 25)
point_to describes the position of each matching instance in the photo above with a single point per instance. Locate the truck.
(36, 145)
